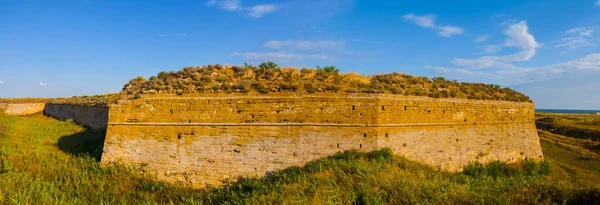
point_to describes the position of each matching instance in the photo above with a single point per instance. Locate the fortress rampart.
(202, 139)
(95, 117)
(21, 108)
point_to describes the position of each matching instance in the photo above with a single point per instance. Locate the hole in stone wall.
(338, 145)
(190, 121)
(353, 108)
(171, 111)
(428, 111)
(178, 136)
(365, 135)
(386, 134)
(382, 107)
(404, 108)
(122, 111)
(360, 145)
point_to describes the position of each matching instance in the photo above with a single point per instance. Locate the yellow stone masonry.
(21, 108)
(203, 139)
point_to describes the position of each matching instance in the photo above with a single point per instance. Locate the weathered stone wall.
(2, 106)
(200, 140)
(95, 117)
(23, 108)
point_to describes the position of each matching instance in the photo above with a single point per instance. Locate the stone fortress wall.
(21, 108)
(95, 117)
(200, 140)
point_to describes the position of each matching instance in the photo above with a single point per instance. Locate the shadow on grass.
(89, 142)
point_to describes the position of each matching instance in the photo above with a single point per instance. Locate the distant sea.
(567, 111)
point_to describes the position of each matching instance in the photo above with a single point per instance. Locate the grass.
(584, 126)
(43, 160)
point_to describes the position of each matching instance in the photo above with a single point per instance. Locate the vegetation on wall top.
(269, 77)
(95, 100)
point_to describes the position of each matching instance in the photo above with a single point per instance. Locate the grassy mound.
(269, 77)
(43, 160)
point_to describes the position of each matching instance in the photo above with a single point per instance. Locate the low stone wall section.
(23, 108)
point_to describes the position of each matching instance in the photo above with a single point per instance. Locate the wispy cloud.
(303, 45)
(501, 68)
(282, 56)
(487, 49)
(575, 38)
(517, 36)
(256, 11)
(1, 82)
(227, 5)
(598, 3)
(517, 75)
(482, 38)
(428, 21)
(43, 84)
(259, 10)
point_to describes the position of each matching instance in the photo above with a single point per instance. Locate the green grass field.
(46, 161)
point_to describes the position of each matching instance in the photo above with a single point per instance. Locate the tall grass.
(44, 161)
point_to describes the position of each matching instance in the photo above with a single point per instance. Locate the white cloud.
(449, 31)
(1, 82)
(576, 37)
(43, 84)
(512, 75)
(490, 49)
(259, 10)
(256, 11)
(283, 56)
(482, 38)
(428, 21)
(304, 45)
(517, 36)
(598, 3)
(509, 21)
(227, 5)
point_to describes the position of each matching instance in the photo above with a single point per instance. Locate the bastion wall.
(95, 117)
(200, 140)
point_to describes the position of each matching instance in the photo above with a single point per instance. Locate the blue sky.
(547, 49)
